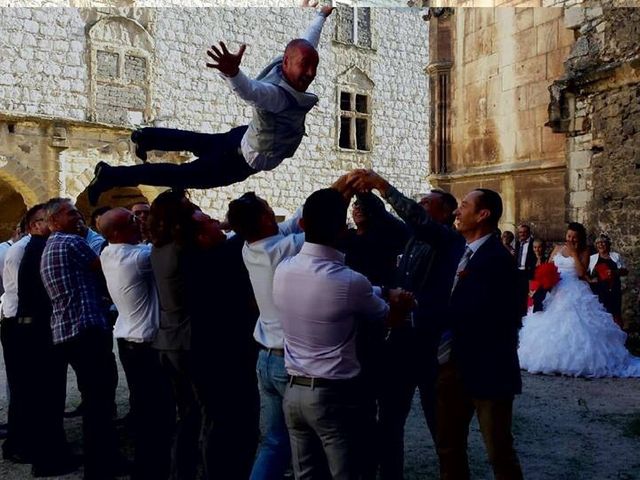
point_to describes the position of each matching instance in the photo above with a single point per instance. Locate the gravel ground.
(565, 428)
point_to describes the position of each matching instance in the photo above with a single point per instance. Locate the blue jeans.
(274, 454)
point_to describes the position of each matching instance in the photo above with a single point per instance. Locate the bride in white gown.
(574, 335)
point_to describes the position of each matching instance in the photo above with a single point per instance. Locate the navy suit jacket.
(484, 316)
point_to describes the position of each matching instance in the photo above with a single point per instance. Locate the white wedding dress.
(574, 335)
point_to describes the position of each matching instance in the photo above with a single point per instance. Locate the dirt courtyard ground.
(565, 428)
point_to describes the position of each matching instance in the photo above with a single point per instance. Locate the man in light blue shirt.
(280, 104)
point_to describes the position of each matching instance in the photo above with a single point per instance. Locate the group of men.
(448, 316)
(56, 312)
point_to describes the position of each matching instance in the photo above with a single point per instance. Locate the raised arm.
(414, 215)
(314, 30)
(259, 94)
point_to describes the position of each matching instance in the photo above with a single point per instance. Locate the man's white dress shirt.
(320, 300)
(4, 246)
(261, 259)
(10, 269)
(130, 281)
(524, 248)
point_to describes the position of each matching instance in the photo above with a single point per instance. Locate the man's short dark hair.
(31, 214)
(325, 216)
(170, 218)
(449, 203)
(97, 212)
(244, 215)
(491, 201)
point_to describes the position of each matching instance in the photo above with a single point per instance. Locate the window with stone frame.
(353, 24)
(121, 53)
(355, 121)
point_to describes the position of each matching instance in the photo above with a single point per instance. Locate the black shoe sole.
(141, 151)
(96, 188)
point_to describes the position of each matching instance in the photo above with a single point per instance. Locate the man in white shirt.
(280, 103)
(526, 263)
(267, 243)
(126, 264)
(319, 300)
(12, 449)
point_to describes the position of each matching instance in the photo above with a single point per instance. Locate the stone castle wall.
(502, 62)
(75, 83)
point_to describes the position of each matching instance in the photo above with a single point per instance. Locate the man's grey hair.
(54, 205)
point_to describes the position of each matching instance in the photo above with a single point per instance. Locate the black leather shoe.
(141, 149)
(66, 465)
(98, 184)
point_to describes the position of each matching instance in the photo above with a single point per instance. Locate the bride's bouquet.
(547, 275)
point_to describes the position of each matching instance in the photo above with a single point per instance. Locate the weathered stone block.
(574, 17)
(543, 15)
(531, 70)
(580, 159)
(547, 37)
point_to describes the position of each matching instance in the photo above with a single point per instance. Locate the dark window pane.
(345, 132)
(345, 101)
(362, 104)
(364, 27)
(361, 134)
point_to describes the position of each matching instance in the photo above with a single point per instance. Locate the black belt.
(19, 320)
(278, 352)
(313, 382)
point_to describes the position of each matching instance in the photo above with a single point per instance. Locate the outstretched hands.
(325, 9)
(228, 63)
(362, 180)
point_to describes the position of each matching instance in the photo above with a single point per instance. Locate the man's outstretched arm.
(259, 94)
(314, 30)
(414, 215)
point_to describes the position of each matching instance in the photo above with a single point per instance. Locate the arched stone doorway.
(12, 210)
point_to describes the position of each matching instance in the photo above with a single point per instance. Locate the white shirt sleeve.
(143, 259)
(314, 30)
(259, 94)
(291, 225)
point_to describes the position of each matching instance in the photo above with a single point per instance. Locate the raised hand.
(325, 9)
(228, 63)
(366, 180)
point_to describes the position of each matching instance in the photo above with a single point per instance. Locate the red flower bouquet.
(547, 275)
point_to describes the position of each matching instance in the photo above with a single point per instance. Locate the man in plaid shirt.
(81, 332)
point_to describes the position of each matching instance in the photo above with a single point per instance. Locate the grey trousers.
(323, 427)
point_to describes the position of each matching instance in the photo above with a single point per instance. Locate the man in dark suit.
(426, 269)
(526, 263)
(480, 371)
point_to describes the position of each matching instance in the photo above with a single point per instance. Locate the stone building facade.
(560, 138)
(76, 79)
